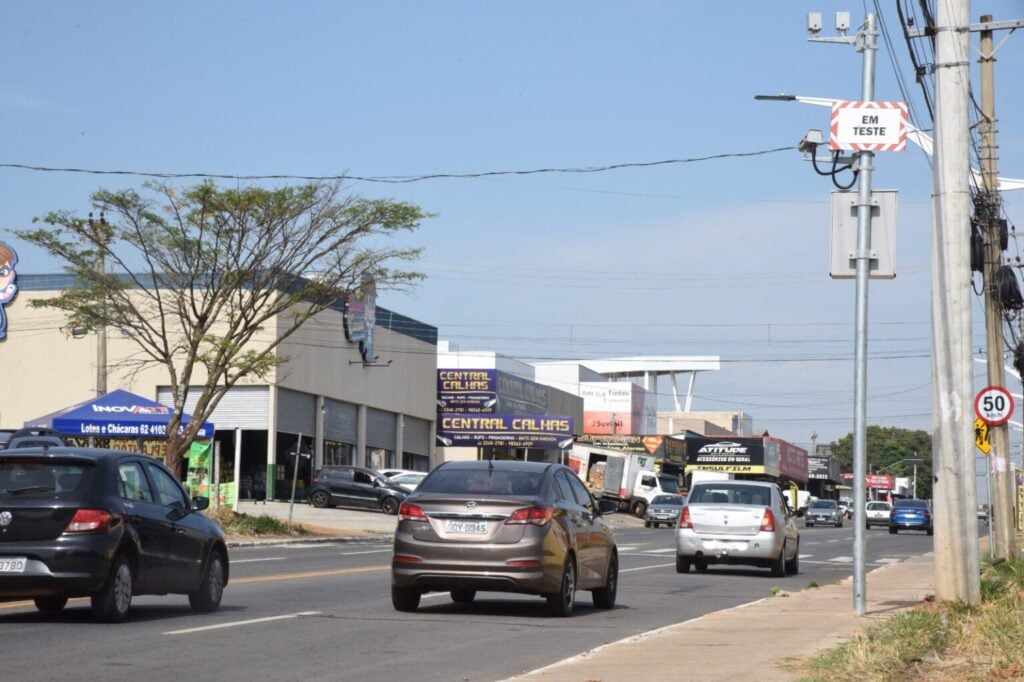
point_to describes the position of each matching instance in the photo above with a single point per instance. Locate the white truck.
(627, 477)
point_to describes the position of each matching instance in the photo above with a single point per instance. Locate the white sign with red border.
(869, 126)
(994, 405)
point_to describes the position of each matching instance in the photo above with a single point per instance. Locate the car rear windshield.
(873, 506)
(668, 499)
(483, 482)
(912, 504)
(22, 477)
(730, 493)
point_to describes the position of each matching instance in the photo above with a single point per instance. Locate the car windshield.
(823, 504)
(910, 504)
(673, 500)
(43, 478)
(730, 493)
(483, 481)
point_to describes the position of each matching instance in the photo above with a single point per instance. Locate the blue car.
(910, 515)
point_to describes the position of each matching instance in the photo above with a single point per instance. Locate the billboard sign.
(488, 391)
(731, 455)
(511, 430)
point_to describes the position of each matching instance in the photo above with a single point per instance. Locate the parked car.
(876, 514)
(983, 512)
(824, 511)
(523, 527)
(35, 437)
(664, 509)
(351, 486)
(737, 522)
(103, 524)
(409, 479)
(910, 515)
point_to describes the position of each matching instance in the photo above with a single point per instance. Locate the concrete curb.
(277, 542)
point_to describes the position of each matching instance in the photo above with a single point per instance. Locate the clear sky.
(722, 257)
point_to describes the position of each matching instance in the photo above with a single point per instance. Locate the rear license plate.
(14, 564)
(465, 527)
(720, 544)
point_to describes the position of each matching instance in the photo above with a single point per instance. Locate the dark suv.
(80, 522)
(351, 486)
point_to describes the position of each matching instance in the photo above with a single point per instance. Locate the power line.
(396, 179)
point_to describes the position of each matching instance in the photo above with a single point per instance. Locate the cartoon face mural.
(8, 288)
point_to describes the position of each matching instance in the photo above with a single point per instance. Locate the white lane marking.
(238, 623)
(806, 556)
(890, 561)
(369, 551)
(841, 559)
(836, 540)
(628, 548)
(664, 550)
(643, 568)
(249, 561)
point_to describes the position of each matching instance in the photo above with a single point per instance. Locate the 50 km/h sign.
(993, 405)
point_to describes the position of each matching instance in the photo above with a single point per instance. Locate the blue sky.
(724, 257)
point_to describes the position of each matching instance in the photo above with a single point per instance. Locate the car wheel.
(112, 602)
(931, 531)
(808, 525)
(793, 565)
(404, 598)
(640, 509)
(892, 530)
(389, 505)
(50, 604)
(561, 603)
(462, 595)
(320, 499)
(647, 524)
(778, 564)
(682, 564)
(839, 524)
(604, 597)
(701, 565)
(207, 598)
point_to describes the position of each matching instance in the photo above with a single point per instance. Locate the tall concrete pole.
(100, 232)
(956, 528)
(987, 212)
(860, 351)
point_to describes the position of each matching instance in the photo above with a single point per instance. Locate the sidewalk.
(762, 640)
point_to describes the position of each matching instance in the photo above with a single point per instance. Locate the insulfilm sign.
(514, 430)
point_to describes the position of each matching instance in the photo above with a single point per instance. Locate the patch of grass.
(776, 590)
(940, 641)
(812, 584)
(243, 525)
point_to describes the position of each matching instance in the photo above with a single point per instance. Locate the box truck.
(626, 477)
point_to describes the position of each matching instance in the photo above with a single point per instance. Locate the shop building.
(345, 407)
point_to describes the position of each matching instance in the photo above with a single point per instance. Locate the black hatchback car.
(104, 524)
(352, 486)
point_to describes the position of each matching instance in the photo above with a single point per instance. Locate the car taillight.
(538, 516)
(768, 521)
(411, 512)
(684, 519)
(88, 521)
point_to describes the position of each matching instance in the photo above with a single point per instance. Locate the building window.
(336, 453)
(379, 458)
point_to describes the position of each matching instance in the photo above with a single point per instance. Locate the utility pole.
(987, 213)
(956, 528)
(99, 231)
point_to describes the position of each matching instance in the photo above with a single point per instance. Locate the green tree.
(888, 445)
(193, 276)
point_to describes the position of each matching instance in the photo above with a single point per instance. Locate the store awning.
(118, 414)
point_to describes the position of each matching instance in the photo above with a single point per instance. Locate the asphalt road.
(323, 612)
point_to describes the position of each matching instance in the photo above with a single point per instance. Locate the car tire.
(839, 524)
(211, 590)
(778, 564)
(647, 524)
(640, 509)
(50, 604)
(682, 564)
(561, 603)
(931, 531)
(793, 565)
(604, 597)
(405, 598)
(389, 505)
(701, 565)
(320, 499)
(112, 603)
(892, 530)
(462, 595)
(808, 524)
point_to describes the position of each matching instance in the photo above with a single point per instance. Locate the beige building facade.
(346, 410)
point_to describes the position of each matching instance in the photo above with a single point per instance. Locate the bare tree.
(193, 275)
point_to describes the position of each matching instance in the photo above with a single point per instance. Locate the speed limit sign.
(994, 405)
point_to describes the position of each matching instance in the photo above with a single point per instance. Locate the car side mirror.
(200, 503)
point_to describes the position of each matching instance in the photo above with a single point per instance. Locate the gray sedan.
(664, 509)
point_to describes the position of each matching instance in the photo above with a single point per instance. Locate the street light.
(909, 460)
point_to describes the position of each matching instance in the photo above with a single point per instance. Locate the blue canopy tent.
(118, 414)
